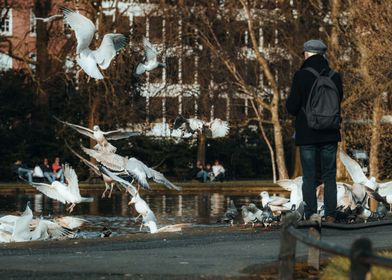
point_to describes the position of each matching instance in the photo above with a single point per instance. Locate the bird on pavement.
(230, 214)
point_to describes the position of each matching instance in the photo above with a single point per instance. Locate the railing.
(360, 254)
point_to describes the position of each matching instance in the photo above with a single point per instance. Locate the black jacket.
(300, 89)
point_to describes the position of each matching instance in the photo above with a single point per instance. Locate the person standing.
(316, 136)
(57, 169)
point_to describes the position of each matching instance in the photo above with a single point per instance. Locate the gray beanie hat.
(315, 46)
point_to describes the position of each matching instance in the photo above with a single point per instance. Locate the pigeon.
(100, 136)
(230, 214)
(106, 232)
(363, 212)
(381, 211)
(376, 194)
(88, 59)
(248, 216)
(109, 182)
(258, 214)
(299, 211)
(266, 199)
(150, 59)
(65, 193)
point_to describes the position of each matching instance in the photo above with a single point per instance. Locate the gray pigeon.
(381, 211)
(230, 214)
(363, 212)
(300, 211)
(248, 216)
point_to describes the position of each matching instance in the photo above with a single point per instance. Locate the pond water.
(199, 209)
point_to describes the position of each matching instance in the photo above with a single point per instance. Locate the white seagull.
(134, 167)
(89, 59)
(295, 188)
(150, 59)
(356, 172)
(109, 182)
(214, 129)
(65, 193)
(100, 136)
(274, 200)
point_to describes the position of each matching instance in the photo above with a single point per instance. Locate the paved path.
(195, 253)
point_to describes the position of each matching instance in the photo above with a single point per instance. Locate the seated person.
(48, 173)
(22, 171)
(57, 170)
(211, 176)
(218, 170)
(201, 174)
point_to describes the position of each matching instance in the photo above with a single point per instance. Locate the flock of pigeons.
(352, 200)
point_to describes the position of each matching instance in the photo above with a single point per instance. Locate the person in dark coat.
(314, 144)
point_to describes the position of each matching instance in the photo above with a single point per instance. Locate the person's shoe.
(330, 219)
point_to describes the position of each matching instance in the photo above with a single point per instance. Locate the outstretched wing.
(385, 188)
(150, 53)
(72, 179)
(130, 188)
(82, 130)
(355, 171)
(375, 195)
(83, 27)
(110, 45)
(92, 166)
(49, 190)
(288, 184)
(110, 160)
(119, 134)
(22, 225)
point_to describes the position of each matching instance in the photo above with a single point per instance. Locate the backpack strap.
(331, 73)
(313, 71)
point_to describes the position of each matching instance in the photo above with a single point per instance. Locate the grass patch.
(339, 269)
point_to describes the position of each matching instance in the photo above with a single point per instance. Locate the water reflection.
(115, 213)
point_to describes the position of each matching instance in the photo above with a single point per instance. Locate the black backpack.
(322, 108)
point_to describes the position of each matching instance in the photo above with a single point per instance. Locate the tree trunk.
(297, 168)
(201, 148)
(42, 9)
(279, 146)
(375, 140)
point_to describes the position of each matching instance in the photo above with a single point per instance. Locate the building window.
(5, 62)
(33, 24)
(172, 70)
(188, 106)
(172, 106)
(155, 109)
(220, 108)
(155, 31)
(6, 22)
(237, 110)
(139, 27)
(188, 70)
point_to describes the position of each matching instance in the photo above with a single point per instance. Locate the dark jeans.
(326, 153)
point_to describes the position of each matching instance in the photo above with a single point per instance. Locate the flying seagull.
(109, 182)
(214, 129)
(356, 172)
(89, 59)
(65, 193)
(150, 59)
(100, 136)
(134, 167)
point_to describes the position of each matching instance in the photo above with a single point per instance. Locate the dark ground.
(195, 253)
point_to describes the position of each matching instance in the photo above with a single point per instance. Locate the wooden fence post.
(287, 249)
(314, 252)
(360, 270)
